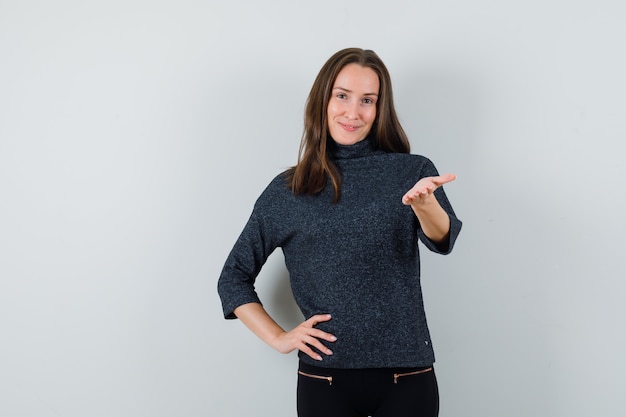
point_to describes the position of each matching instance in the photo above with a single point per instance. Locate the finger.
(444, 179)
(318, 318)
(319, 334)
(310, 352)
(413, 194)
(318, 345)
(408, 199)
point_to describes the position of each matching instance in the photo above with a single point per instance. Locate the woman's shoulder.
(277, 189)
(280, 181)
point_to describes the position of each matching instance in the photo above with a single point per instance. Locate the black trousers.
(380, 392)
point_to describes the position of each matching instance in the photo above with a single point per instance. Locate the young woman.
(348, 218)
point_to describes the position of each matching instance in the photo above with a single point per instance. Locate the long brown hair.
(314, 167)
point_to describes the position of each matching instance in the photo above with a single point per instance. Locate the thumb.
(444, 179)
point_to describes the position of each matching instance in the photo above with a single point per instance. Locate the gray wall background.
(136, 135)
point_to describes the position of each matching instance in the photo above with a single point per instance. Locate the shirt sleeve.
(447, 245)
(251, 250)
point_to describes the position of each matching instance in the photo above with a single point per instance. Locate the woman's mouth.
(349, 128)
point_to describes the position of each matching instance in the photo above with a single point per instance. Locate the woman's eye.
(341, 96)
(368, 101)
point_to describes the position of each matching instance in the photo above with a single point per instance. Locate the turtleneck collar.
(362, 148)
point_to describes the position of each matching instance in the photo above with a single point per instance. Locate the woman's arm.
(433, 219)
(303, 337)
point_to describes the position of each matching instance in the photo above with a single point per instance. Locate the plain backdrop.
(136, 135)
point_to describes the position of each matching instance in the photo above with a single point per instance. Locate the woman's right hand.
(306, 336)
(303, 337)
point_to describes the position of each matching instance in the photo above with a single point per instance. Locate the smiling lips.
(349, 128)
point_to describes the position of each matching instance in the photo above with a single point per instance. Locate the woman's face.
(352, 107)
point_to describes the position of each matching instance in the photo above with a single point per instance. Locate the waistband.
(305, 367)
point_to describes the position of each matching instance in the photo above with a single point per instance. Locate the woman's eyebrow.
(350, 91)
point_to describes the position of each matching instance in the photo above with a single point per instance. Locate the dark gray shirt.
(357, 260)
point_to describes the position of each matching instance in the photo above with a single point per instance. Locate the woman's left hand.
(423, 190)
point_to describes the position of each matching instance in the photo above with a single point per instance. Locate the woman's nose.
(352, 110)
